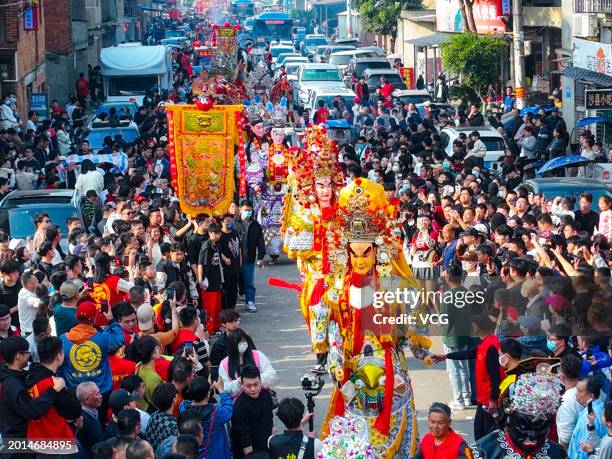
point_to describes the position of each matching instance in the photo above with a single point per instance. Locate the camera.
(312, 384)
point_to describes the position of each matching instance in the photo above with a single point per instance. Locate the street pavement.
(279, 331)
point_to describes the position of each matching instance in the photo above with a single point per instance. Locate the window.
(493, 143)
(321, 75)
(131, 86)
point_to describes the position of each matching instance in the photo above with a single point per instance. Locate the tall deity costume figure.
(367, 361)
(256, 152)
(309, 224)
(270, 210)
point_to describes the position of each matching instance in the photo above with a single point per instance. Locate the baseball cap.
(86, 311)
(471, 231)
(118, 399)
(70, 289)
(145, 314)
(531, 323)
(140, 198)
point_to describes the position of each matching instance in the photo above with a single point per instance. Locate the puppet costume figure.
(367, 361)
(309, 225)
(530, 409)
(270, 211)
(256, 152)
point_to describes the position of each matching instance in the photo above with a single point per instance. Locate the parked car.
(415, 96)
(372, 78)
(131, 106)
(551, 187)
(291, 60)
(329, 95)
(319, 53)
(311, 76)
(348, 41)
(493, 140)
(342, 58)
(357, 65)
(310, 44)
(291, 71)
(98, 130)
(379, 51)
(331, 49)
(18, 209)
(277, 49)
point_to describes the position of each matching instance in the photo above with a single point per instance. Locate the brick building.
(22, 56)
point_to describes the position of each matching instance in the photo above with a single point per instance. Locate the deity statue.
(367, 361)
(309, 222)
(530, 410)
(270, 210)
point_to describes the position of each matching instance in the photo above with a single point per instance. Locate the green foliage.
(464, 92)
(380, 16)
(475, 57)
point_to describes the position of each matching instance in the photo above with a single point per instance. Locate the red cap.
(140, 198)
(86, 311)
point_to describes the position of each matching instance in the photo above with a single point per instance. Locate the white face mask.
(242, 347)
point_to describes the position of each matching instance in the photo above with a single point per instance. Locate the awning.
(578, 73)
(429, 40)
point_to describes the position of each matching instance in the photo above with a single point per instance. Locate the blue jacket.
(218, 443)
(86, 355)
(531, 342)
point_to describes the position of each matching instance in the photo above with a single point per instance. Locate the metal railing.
(592, 6)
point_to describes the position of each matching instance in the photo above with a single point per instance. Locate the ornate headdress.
(537, 395)
(318, 160)
(259, 78)
(365, 217)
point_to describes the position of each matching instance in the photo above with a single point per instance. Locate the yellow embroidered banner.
(201, 149)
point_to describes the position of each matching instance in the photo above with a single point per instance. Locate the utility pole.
(349, 31)
(518, 45)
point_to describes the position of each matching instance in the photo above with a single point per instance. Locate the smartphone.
(170, 293)
(104, 306)
(590, 406)
(188, 348)
(89, 282)
(589, 352)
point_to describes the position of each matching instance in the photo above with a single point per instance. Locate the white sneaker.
(456, 406)
(251, 307)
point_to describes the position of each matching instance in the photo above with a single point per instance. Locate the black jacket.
(16, 405)
(66, 403)
(91, 432)
(251, 237)
(252, 423)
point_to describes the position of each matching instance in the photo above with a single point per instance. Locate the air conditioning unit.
(585, 25)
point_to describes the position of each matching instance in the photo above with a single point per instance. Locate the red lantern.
(238, 27)
(227, 24)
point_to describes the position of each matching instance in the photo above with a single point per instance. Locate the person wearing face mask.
(253, 251)
(230, 248)
(7, 114)
(558, 342)
(241, 351)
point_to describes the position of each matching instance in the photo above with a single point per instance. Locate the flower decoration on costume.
(348, 438)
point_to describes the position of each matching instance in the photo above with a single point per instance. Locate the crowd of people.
(127, 341)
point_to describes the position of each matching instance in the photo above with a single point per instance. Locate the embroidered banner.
(201, 149)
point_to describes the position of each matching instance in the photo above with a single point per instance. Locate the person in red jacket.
(441, 442)
(66, 409)
(489, 374)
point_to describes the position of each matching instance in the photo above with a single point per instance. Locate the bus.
(242, 9)
(271, 26)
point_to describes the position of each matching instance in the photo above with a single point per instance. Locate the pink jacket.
(605, 224)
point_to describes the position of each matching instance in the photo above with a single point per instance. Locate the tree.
(475, 57)
(380, 16)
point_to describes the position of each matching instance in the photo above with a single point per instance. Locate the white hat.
(145, 316)
(15, 244)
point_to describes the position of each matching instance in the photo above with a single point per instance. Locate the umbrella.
(563, 161)
(591, 120)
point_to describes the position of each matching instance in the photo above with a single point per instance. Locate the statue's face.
(324, 191)
(363, 257)
(527, 434)
(259, 130)
(278, 136)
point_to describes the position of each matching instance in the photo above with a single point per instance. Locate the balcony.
(592, 6)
